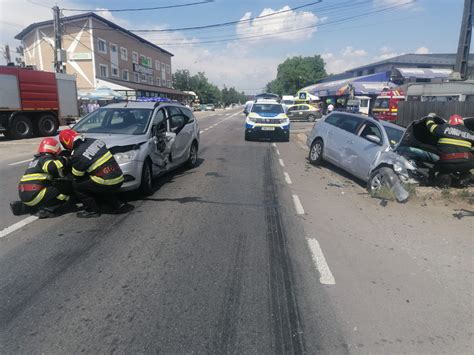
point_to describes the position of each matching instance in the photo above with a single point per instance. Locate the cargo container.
(35, 103)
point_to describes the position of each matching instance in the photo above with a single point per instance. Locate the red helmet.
(49, 145)
(66, 137)
(455, 120)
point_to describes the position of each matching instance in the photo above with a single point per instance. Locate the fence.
(409, 111)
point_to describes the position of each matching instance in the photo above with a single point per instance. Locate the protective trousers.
(94, 195)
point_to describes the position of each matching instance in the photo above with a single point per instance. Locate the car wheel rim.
(316, 151)
(48, 126)
(193, 155)
(22, 128)
(377, 182)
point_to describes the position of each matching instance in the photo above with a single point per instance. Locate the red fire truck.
(34, 102)
(386, 104)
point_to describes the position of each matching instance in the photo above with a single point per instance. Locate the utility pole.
(7, 54)
(462, 58)
(58, 64)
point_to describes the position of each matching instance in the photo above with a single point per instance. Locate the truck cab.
(386, 104)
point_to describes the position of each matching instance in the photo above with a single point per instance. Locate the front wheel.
(377, 180)
(311, 118)
(146, 185)
(193, 156)
(316, 152)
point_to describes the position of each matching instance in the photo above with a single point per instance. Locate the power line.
(39, 4)
(145, 8)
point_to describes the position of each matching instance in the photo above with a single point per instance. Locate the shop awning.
(423, 73)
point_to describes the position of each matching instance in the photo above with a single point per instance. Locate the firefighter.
(455, 147)
(97, 175)
(36, 188)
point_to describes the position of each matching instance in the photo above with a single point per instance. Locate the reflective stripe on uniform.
(46, 165)
(58, 164)
(458, 142)
(433, 127)
(101, 181)
(77, 172)
(62, 197)
(102, 160)
(32, 177)
(37, 199)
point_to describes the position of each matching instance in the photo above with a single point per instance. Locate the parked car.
(146, 138)
(210, 107)
(267, 119)
(352, 142)
(304, 112)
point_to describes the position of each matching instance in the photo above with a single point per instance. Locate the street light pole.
(58, 64)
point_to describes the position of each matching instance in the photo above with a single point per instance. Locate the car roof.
(141, 104)
(267, 101)
(370, 118)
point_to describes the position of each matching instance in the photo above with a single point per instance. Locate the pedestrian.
(36, 188)
(454, 144)
(330, 107)
(90, 107)
(97, 175)
(96, 105)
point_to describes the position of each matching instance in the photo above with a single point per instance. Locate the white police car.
(267, 119)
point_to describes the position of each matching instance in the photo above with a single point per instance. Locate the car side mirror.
(246, 112)
(183, 120)
(373, 139)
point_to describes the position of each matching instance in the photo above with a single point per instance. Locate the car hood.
(119, 142)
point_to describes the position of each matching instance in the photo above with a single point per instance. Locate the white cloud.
(281, 25)
(423, 50)
(347, 58)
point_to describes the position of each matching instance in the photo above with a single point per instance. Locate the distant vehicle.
(267, 119)
(351, 141)
(359, 104)
(267, 96)
(146, 138)
(288, 100)
(209, 107)
(441, 92)
(248, 106)
(386, 104)
(34, 102)
(304, 112)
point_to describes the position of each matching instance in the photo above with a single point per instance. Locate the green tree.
(295, 73)
(207, 92)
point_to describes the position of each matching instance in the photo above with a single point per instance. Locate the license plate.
(268, 128)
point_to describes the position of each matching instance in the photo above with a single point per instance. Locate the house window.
(125, 74)
(102, 46)
(158, 82)
(124, 53)
(149, 62)
(163, 77)
(136, 77)
(135, 57)
(103, 70)
(115, 71)
(163, 67)
(169, 83)
(143, 78)
(113, 48)
(168, 69)
(150, 80)
(157, 64)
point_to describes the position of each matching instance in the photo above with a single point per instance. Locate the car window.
(381, 103)
(345, 122)
(267, 108)
(394, 135)
(176, 117)
(91, 121)
(160, 121)
(303, 108)
(370, 129)
(188, 113)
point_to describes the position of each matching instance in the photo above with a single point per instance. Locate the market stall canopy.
(362, 85)
(102, 93)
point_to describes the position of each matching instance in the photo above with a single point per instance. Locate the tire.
(21, 128)
(316, 152)
(146, 183)
(311, 118)
(47, 126)
(376, 180)
(193, 156)
(247, 137)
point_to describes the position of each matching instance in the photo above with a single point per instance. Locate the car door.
(364, 150)
(158, 143)
(292, 112)
(178, 125)
(340, 134)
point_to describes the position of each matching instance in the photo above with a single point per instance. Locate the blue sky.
(426, 26)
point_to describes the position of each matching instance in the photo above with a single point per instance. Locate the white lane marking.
(326, 277)
(298, 206)
(201, 132)
(278, 152)
(281, 162)
(274, 145)
(18, 225)
(20, 162)
(287, 178)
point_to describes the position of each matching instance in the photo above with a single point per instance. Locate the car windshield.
(394, 135)
(381, 103)
(115, 121)
(267, 108)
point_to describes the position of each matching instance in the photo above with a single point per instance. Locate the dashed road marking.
(278, 152)
(287, 178)
(16, 226)
(298, 206)
(281, 162)
(326, 277)
(20, 162)
(274, 145)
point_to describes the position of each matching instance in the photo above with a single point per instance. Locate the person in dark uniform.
(36, 188)
(455, 146)
(97, 175)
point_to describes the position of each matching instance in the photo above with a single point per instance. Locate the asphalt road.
(249, 252)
